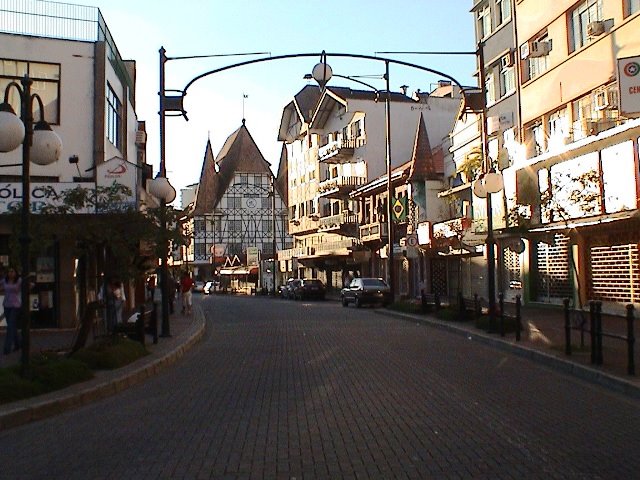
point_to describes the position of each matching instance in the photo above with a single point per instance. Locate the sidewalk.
(543, 341)
(185, 332)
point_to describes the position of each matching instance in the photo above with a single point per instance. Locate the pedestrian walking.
(12, 284)
(186, 284)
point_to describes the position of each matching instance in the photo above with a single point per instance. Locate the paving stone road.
(299, 390)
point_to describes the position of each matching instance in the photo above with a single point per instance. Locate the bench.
(145, 322)
(429, 302)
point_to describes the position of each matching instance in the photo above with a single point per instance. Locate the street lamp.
(273, 227)
(488, 183)
(42, 146)
(160, 188)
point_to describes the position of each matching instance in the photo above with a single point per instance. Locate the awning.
(580, 223)
(238, 270)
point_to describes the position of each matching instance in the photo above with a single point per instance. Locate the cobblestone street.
(283, 389)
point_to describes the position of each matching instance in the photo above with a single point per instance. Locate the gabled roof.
(423, 163)
(298, 111)
(238, 154)
(333, 96)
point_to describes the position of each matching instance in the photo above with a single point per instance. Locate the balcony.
(338, 247)
(339, 187)
(344, 223)
(296, 252)
(371, 232)
(303, 224)
(339, 151)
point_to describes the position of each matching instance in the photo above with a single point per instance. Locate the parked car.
(198, 286)
(363, 291)
(309, 288)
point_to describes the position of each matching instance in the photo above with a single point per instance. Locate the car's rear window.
(373, 282)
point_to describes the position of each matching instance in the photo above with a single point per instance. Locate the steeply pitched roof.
(238, 154)
(423, 166)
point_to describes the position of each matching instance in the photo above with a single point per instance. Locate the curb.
(592, 375)
(54, 403)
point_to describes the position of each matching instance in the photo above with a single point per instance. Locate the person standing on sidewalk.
(12, 303)
(186, 285)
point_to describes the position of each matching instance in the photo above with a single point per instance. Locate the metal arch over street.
(326, 55)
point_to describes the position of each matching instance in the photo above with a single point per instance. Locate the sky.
(217, 103)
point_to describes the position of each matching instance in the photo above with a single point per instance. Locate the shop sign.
(629, 82)
(42, 194)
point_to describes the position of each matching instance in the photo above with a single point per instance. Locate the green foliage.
(99, 221)
(46, 374)
(471, 167)
(110, 353)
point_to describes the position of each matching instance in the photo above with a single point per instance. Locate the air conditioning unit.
(524, 51)
(539, 49)
(595, 28)
(506, 60)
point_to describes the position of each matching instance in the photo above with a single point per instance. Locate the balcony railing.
(339, 151)
(339, 187)
(295, 252)
(337, 222)
(332, 247)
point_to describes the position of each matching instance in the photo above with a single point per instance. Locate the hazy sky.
(215, 104)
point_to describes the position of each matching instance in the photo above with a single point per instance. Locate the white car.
(198, 286)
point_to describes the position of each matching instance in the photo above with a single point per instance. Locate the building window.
(235, 226)
(257, 180)
(507, 80)
(558, 128)
(491, 89)
(46, 83)
(484, 22)
(539, 65)
(356, 129)
(585, 13)
(198, 226)
(266, 202)
(267, 225)
(631, 7)
(114, 118)
(503, 11)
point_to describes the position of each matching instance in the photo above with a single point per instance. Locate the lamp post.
(490, 182)
(273, 227)
(160, 188)
(322, 73)
(42, 146)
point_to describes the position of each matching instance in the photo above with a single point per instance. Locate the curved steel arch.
(340, 55)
